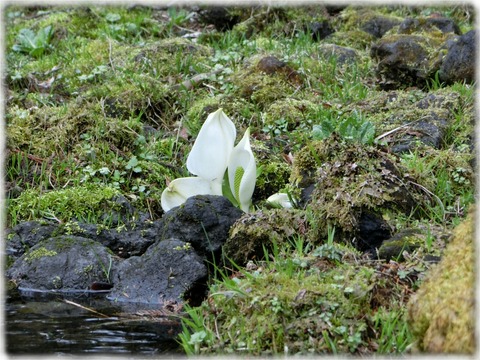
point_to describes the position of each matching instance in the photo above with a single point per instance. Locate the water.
(45, 325)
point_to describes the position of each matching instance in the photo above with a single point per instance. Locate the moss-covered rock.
(266, 79)
(350, 180)
(254, 233)
(405, 240)
(442, 312)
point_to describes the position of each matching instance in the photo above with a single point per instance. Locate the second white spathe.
(242, 172)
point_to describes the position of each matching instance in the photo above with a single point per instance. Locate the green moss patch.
(83, 203)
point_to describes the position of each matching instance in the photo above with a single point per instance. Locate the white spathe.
(281, 200)
(179, 190)
(213, 154)
(242, 172)
(211, 151)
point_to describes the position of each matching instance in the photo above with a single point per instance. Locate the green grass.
(290, 297)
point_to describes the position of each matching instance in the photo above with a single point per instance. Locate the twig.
(397, 128)
(85, 308)
(439, 201)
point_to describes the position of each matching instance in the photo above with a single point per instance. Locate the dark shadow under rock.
(203, 221)
(372, 231)
(168, 270)
(63, 263)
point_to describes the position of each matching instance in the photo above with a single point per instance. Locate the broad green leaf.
(323, 130)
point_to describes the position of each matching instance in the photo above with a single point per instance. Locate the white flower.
(211, 151)
(179, 190)
(213, 155)
(242, 172)
(280, 200)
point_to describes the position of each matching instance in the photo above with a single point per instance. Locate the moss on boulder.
(441, 313)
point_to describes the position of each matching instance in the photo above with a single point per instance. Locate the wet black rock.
(459, 63)
(63, 263)
(26, 235)
(125, 240)
(167, 271)
(203, 221)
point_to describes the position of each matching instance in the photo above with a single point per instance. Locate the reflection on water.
(51, 326)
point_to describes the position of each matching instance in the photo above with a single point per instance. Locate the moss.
(349, 178)
(442, 313)
(302, 305)
(353, 16)
(199, 111)
(264, 87)
(83, 203)
(254, 233)
(39, 253)
(355, 39)
(294, 112)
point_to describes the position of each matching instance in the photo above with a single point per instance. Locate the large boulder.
(166, 272)
(62, 264)
(459, 63)
(442, 312)
(202, 221)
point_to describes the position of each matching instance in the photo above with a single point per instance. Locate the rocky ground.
(363, 115)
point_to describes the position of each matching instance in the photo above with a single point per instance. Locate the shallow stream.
(42, 325)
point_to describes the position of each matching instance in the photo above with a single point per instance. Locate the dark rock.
(126, 240)
(430, 131)
(26, 235)
(372, 231)
(63, 263)
(342, 54)
(405, 240)
(221, 17)
(271, 65)
(459, 63)
(431, 128)
(403, 61)
(320, 30)
(379, 25)
(123, 213)
(334, 9)
(203, 221)
(445, 25)
(167, 271)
